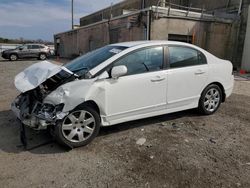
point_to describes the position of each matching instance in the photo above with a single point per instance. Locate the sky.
(41, 19)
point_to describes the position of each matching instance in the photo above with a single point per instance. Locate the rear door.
(187, 75)
(34, 50)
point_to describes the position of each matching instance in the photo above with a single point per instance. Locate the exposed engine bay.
(29, 106)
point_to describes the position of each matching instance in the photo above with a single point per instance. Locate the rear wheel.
(210, 99)
(79, 128)
(13, 57)
(42, 56)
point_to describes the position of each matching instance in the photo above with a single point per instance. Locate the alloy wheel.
(42, 56)
(212, 99)
(13, 57)
(78, 126)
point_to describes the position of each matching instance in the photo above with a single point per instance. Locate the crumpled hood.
(36, 74)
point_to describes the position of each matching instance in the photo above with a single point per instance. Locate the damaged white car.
(119, 83)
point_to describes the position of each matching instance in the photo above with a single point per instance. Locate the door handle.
(158, 79)
(199, 72)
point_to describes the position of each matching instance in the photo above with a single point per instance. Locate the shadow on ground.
(42, 143)
(25, 60)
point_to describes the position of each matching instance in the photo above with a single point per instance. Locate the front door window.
(143, 61)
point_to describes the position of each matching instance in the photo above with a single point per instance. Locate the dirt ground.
(181, 149)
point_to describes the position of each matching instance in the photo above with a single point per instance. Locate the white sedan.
(119, 83)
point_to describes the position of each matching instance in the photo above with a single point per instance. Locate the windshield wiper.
(80, 69)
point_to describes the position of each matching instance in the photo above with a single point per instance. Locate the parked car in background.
(119, 83)
(39, 51)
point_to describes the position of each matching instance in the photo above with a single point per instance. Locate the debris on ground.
(238, 184)
(141, 141)
(172, 124)
(212, 141)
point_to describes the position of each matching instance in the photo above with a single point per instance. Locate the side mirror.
(119, 71)
(21, 48)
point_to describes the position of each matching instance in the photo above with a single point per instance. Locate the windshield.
(19, 47)
(92, 59)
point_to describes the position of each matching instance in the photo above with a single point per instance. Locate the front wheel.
(210, 99)
(79, 128)
(13, 57)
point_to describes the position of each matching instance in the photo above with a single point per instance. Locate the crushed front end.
(29, 106)
(32, 112)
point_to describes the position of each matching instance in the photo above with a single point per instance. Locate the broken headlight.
(47, 111)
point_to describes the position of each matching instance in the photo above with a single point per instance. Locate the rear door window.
(184, 57)
(35, 47)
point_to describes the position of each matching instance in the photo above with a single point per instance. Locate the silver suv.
(39, 51)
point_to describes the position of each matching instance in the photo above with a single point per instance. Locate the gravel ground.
(181, 149)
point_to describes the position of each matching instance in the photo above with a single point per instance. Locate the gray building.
(219, 27)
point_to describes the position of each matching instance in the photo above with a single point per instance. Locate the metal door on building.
(114, 35)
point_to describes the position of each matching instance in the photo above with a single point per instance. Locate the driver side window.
(142, 61)
(24, 47)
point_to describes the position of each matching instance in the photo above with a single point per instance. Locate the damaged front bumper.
(35, 114)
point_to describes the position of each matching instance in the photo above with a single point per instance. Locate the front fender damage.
(39, 114)
(71, 94)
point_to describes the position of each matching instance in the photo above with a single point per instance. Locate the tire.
(42, 56)
(13, 57)
(72, 131)
(210, 99)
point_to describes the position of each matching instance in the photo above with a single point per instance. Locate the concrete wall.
(230, 6)
(74, 43)
(237, 32)
(214, 37)
(117, 9)
(214, 4)
(85, 39)
(246, 51)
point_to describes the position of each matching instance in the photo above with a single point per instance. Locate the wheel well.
(222, 89)
(13, 54)
(93, 105)
(42, 53)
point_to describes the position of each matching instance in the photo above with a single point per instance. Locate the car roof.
(150, 42)
(34, 44)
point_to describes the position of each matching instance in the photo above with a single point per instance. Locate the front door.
(23, 51)
(140, 92)
(187, 77)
